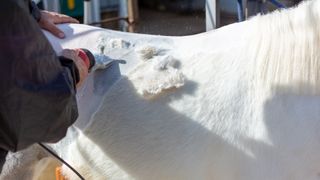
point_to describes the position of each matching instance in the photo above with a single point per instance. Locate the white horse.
(241, 102)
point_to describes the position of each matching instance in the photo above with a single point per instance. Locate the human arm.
(37, 93)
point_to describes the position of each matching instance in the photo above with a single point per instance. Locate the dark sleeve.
(3, 154)
(37, 90)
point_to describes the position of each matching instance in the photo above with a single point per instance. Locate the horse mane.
(284, 47)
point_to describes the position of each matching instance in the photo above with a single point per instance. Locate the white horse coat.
(241, 102)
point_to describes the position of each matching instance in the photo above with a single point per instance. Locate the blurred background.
(163, 17)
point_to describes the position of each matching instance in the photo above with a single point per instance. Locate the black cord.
(61, 160)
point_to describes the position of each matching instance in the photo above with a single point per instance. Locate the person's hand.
(49, 20)
(73, 54)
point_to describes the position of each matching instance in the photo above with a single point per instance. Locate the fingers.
(70, 53)
(60, 18)
(81, 66)
(51, 27)
(83, 71)
(49, 19)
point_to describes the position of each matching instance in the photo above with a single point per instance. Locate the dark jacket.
(37, 88)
